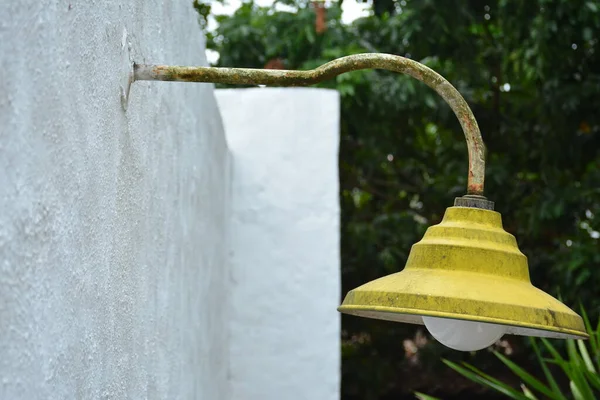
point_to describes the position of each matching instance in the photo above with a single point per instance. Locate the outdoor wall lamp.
(466, 280)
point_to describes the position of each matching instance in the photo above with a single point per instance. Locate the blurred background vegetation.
(531, 72)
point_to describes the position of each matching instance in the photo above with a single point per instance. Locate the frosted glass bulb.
(463, 335)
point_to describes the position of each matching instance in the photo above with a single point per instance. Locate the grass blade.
(593, 378)
(586, 320)
(527, 378)
(582, 385)
(574, 369)
(574, 357)
(576, 393)
(555, 354)
(423, 396)
(594, 338)
(527, 392)
(479, 377)
(549, 377)
(585, 356)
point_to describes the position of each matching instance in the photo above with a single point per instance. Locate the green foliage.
(423, 396)
(580, 367)
(531, 72)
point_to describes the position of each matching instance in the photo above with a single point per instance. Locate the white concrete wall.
(113, 269)
(285, 261)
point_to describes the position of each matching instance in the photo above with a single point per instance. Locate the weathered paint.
(248, 76)
(467, 267)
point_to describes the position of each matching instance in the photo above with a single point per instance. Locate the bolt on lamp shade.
(467, 268)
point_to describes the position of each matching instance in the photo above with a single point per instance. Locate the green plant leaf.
(580, 384)
(573, 368)
(574, 356)
(549, 377)
(586, 320)
(555, 354)
(423, 396)
(527, 392)
(593, 379)
(483, 379)
(529, 379)
(595, 336)
(585, 356)
(576, 393)
(593, 340)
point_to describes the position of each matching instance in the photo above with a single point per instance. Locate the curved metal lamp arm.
(248, 76)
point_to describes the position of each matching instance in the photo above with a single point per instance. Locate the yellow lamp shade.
(467, 268)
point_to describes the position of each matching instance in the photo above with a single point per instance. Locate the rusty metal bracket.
(248, 76)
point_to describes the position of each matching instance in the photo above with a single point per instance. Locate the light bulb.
(463, 335)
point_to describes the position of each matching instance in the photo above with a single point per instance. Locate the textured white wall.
(285, 329)
(113, 269)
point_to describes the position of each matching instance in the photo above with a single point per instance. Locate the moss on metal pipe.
(249, 76)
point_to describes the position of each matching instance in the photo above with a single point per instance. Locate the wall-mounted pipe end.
(126, 73)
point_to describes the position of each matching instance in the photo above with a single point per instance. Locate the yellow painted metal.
(467, 267)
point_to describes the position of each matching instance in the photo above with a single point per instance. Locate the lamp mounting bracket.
(249, 76)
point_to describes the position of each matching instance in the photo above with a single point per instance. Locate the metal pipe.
(248, 76)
